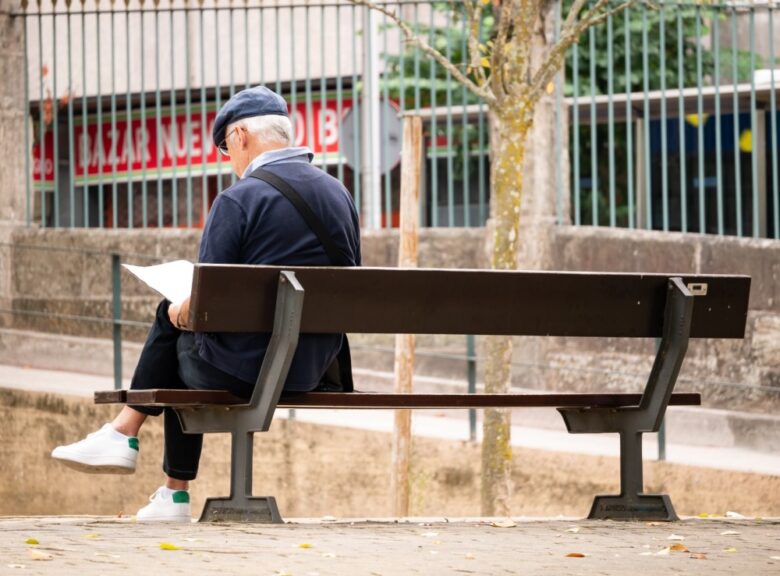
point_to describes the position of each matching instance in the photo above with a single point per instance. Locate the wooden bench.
(228, 298)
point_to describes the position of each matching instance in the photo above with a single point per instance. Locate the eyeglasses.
(222, 146)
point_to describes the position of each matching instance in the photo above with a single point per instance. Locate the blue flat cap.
(257, 101)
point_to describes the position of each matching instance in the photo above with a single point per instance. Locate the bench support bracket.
(632, 422)
(243, 420)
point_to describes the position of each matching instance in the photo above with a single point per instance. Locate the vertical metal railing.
(116, 317)
(669, 129)
(689, 128)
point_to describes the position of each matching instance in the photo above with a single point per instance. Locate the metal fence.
(661, 115)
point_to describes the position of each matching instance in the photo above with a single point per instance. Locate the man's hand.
(179, 314)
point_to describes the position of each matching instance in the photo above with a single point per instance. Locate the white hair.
(270, 128)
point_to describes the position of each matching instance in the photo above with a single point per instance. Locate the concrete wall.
(68, 273)
(316, 471)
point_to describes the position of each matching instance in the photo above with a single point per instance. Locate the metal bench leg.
(241, 506)
(632, 422)
(631, 503)
(243, 420)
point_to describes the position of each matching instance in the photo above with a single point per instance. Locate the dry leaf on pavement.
(699, 556)
(31, 541)
(573, 529)
(730, 549)
(678, 548)
(575, 555)
(676, 537)
(503, 524)
(168, 546)
(729, 533)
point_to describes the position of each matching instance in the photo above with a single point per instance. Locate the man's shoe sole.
(96, 468)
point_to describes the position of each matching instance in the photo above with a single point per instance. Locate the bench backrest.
(233, 298)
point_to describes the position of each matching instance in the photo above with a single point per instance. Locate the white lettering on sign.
(120, 147)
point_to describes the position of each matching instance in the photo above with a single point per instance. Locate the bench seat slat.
(368, 400)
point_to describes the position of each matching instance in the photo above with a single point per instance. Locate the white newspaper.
(172, 279)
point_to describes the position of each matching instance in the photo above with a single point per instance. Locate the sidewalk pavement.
(99, 545)
(428, 424)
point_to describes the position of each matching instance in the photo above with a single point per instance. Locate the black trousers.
(170, 360)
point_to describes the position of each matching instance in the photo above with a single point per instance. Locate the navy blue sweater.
(252, 223)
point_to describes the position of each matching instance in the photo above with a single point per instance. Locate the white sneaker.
(103, 452)
(166, 505)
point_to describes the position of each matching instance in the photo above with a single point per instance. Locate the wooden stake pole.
(411, 164)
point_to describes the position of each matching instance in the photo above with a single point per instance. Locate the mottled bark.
(510, 127)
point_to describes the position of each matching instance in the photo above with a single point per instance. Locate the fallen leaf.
(730, 549)
(729, 533)
(575, 555)
(678, 548)
(573, 529)
(37, 555)
(168, 546)
(503, 524)
(91, 536)
(304, 545)
(699, 556)
(31, 541)
(664, 552)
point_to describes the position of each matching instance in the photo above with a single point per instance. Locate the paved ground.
(100, 545)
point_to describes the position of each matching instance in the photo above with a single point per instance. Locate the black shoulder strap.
(336, 259)
(338, 376)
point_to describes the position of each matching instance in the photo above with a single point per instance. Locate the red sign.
(127, 148)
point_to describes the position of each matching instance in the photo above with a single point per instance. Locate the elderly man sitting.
(251, 222)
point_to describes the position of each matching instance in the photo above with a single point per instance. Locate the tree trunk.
(510, 127)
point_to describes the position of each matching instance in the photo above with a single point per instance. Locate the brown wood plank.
(111, 397)
(369, 400)
(230, 298)
(168, 397)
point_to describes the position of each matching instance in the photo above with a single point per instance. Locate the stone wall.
(69, 273)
